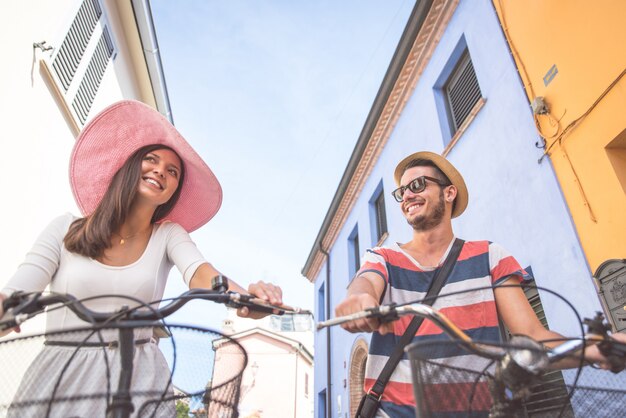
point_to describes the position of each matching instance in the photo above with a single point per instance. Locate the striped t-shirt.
(480, 264)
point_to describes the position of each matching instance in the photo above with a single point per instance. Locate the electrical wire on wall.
(572, 125)
(576, 121)
(526, 83)
(568, 129)
(542, 110)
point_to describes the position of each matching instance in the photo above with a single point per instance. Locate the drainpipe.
(295, 385)
(329, 397)
(147, 34)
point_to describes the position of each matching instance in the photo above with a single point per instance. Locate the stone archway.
(356, 373)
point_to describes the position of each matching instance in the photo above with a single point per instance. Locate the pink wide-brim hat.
(113, 135)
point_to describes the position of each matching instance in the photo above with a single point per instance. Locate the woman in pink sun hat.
(141, 189)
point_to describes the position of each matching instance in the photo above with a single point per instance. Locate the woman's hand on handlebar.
(6, 331)
(268, 292)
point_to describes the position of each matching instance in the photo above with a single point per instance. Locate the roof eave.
(414, 25)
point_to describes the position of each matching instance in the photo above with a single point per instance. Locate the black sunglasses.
(416, 186)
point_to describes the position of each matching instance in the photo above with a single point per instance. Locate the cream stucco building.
(63, 61)
(278, 381)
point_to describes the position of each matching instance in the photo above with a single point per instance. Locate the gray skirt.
(66, 382)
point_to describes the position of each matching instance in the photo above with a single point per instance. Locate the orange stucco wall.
(587, 107)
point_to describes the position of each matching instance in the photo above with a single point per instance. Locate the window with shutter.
(79, 64)
(93, 75)
(75, 43)
(462, 92)
(354, 254)
(380, 216)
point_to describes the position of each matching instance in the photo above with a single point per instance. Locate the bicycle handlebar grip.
(251, 302)
(5, 305)
(384, 313)
(264, 309)
(12, 301)
(9, 303)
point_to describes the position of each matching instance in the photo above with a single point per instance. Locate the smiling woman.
(142, 189)
(147, 184)
(160, 170)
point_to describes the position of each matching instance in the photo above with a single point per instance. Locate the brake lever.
(254, 303)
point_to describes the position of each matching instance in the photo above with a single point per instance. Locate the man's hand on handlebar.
(359, 302)
(614, 363)
(364, 292)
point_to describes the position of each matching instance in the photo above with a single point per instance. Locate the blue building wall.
(514, 200)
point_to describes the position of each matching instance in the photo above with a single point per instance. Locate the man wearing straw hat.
(430, 193)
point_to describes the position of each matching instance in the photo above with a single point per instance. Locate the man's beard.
(426, 222)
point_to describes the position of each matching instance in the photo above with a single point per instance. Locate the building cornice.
(298, 347)
(417, 44)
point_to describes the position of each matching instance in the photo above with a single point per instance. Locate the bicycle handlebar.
(598, 334)
(22, 306)
(392, 312)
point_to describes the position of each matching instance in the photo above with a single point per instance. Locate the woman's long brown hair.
(91, 235)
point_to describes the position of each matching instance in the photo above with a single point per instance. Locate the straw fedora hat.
(447, 168)
(113, 135)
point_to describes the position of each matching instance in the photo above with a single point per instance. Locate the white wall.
(37, 140)
(278, 389)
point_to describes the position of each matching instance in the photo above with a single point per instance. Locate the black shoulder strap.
(438, 281)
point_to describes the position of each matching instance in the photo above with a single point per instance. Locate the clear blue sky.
(273, 95)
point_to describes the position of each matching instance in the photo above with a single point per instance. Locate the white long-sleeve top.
(50, 263)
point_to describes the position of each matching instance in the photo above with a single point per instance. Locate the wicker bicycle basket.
(181, 373)
(450, 381)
